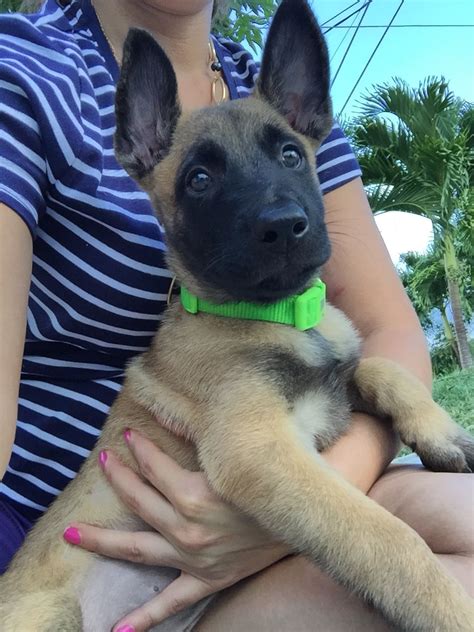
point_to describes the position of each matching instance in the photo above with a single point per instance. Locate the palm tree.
(423, 277)
(416, 149)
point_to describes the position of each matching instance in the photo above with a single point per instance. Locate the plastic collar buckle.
(309, 307)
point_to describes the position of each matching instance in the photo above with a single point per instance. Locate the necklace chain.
(219, 90)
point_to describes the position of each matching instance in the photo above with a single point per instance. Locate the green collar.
(302, 311)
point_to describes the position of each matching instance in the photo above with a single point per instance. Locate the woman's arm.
(15, 274)
(363, 283)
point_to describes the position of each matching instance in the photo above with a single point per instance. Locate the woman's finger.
(173, 481)
(139, 497)
(180, 594)
(141, 547)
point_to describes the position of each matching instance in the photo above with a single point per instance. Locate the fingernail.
(127, 435)
(72, 535)
(103, 458)
(125, 628)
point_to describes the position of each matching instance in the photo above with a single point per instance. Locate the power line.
(347, 17)
(340, 13)
(342, 40)
(406, 26)
(372, 55)
(350, 44)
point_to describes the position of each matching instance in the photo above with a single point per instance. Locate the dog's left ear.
(146, 104)
(294, 77)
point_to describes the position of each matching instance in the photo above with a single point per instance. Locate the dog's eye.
(291, 157)
(198, 180)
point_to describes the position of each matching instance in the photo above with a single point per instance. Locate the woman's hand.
(208, 540)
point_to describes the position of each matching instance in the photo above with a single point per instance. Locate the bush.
(455, 393)
(443, 358)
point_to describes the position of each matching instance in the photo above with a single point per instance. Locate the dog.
(250, 402)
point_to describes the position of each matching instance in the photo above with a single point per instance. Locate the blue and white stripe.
(99, 280)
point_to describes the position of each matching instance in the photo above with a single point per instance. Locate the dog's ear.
(146, 105)
(294, 77)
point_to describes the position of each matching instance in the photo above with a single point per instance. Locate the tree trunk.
(448, 334)
(451, 266)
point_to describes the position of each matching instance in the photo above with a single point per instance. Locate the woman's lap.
(13, 529)
(438, 506)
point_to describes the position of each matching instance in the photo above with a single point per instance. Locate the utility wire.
(350, 44)
(340, 13)
(342, 40)
(406, 26)
(347, 17)
(372, 55)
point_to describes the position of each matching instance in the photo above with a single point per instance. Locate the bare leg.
(440, 507)
(290, 596)
(293, 595)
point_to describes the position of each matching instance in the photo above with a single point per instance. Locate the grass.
(455, 393)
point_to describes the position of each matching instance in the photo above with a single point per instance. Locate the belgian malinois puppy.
(248, 401)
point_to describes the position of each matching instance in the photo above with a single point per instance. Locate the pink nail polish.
(103, 458)
(127, 435)
(72, 535)
(125, 628)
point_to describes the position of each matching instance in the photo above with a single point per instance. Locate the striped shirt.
(99, 281)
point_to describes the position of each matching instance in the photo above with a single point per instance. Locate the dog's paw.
(454, 455)
(442, 445)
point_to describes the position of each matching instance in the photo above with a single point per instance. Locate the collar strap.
(302, 311)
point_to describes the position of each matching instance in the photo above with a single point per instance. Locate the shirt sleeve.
(35, 149)
(336, 161)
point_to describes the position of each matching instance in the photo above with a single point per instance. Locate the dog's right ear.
(294, 77)
(146, 105)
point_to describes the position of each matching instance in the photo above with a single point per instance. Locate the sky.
(411, 53)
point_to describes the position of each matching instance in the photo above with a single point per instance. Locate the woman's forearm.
(363, 454)
(15, 274)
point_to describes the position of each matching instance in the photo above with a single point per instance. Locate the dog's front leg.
(254, 460)
(387, 389)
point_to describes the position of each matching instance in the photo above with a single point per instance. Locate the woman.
(98, 282)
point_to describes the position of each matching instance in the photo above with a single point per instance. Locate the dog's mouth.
(281, 286)
(277, 286)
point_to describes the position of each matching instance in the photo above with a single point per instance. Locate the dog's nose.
(281, 224)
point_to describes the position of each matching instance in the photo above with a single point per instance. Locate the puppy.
(249, 401)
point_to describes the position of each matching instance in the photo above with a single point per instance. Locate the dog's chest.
(314, 379)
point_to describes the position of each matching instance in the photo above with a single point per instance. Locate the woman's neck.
(184, 37)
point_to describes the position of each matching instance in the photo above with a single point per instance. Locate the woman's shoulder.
(33, 43)
(240, 63)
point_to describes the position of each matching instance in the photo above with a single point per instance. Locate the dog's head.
(234, 186)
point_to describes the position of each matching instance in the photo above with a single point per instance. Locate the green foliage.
(9, 5)
(245, 21)
(416, 150)
(424, 281)
(424, 278)
(455, 393)
(443, 358)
